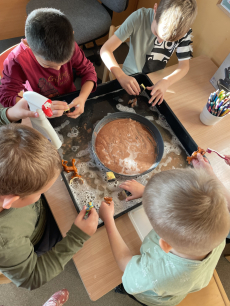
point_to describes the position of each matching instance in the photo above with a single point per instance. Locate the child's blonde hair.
(28, 161)
(174, 18)
(188, 209)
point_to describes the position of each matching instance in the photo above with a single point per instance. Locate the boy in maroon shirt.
(43, 62)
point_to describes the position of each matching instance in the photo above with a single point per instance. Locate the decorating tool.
(220, 155)
(143, 91)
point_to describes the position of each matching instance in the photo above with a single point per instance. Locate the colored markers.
(219, 103)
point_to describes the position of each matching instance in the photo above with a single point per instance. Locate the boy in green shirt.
(29, 165)
(154, 35)
(188, 210)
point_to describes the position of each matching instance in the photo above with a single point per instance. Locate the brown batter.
(125, 146)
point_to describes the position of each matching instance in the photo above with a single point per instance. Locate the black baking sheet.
(103, 101)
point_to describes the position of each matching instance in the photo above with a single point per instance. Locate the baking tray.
(76, 135)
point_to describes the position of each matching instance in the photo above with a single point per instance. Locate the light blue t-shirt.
(159, 278)
(146, 54)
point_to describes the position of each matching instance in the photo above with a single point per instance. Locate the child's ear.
(165, 246)
(155, 8)
(9, 200)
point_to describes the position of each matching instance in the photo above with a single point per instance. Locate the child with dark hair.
(44, 62)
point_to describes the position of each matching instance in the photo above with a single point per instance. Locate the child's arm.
(84, 69)
(119, 248)
(159, 89)
(201, 162)
(20, 111)
(129, 83)
(27, 270)
(79, 102)
(15, 113)
(134, 187)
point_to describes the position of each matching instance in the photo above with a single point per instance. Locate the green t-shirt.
(146, 54)
(20, 230)
(3, 119)
(158, 278)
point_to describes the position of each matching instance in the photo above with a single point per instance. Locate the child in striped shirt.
(154, 35)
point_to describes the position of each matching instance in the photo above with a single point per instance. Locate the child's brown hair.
(174, 18)
(28, 161)
(188, 209)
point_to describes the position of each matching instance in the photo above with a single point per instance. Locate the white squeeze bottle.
(41, 104)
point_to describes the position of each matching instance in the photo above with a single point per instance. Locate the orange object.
(194, 154)
(70, 169)
(3, 56)
(108, 200)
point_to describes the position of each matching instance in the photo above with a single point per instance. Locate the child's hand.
(58, 108)
(227, 160)
(89, 225)
(135, 188)
(130, 84)
(79, 105)
(20, 111)
(158, 90)
(106, 211)
(201, 162)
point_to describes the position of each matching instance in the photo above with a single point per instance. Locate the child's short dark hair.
(28, 161)
(50, 35)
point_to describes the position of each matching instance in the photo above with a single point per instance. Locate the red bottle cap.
(46, 107)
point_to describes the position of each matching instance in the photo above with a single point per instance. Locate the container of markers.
(217, 107)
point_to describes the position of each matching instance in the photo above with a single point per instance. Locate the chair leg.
(95, 58)
(4, 279)
(96, 51)
(105, 74)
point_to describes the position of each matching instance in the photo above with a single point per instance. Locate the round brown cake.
(125, 146)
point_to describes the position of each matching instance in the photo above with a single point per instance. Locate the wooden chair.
(3, 56)
(212, 295)
(107, 75)
(4, 279)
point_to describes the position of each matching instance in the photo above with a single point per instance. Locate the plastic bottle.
(36, 103)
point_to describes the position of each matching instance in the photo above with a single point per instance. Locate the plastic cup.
(207, 118)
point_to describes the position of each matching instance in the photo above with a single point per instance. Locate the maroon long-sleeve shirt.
(23, 72)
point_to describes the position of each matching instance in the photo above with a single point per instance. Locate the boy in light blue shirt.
(188, 210)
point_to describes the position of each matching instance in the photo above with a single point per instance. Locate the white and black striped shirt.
(162, 52)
